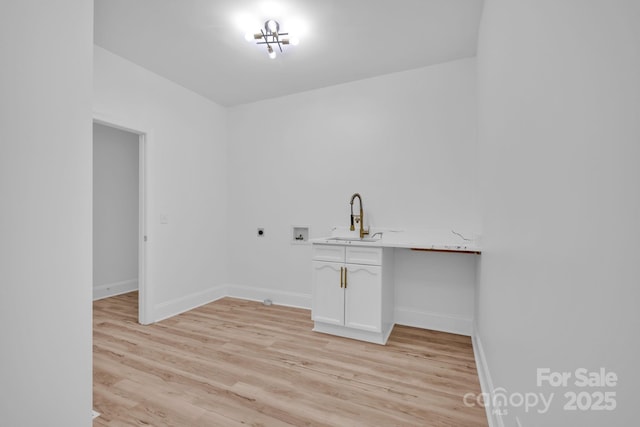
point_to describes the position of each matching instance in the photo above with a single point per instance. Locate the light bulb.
(272, 53)
(294, 41)
(248, 37)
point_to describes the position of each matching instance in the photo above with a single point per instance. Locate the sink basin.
(354, 239)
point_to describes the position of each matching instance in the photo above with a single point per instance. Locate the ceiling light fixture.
(271, 36)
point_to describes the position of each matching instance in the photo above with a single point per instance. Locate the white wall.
(186, 179)
(115, 211)
(405, 141)
(45, 218)
(559, 136)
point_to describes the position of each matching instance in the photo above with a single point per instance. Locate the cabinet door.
(328, 296)
(363, 297)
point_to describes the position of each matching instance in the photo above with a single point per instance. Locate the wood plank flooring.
(236, 362)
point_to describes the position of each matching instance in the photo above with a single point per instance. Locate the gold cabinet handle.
(341, 280)
(345, 277)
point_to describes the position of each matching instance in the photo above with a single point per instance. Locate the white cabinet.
(353, 292)
(363, 297)
(328, 293)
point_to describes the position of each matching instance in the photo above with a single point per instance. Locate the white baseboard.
(113, 289)
(486, 383)
(189, 302)
(403, 315)
(357, 334)
(436, 321)
(290, 299)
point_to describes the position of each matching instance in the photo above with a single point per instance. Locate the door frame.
(145, 300)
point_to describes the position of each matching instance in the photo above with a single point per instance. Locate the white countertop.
(424, 240)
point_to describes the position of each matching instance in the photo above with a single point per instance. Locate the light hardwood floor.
(235, 362)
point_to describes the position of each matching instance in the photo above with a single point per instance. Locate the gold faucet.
(358, 218)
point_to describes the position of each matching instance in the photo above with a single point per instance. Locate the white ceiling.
(200, 44)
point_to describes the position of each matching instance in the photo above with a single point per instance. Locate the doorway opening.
(119, 213)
